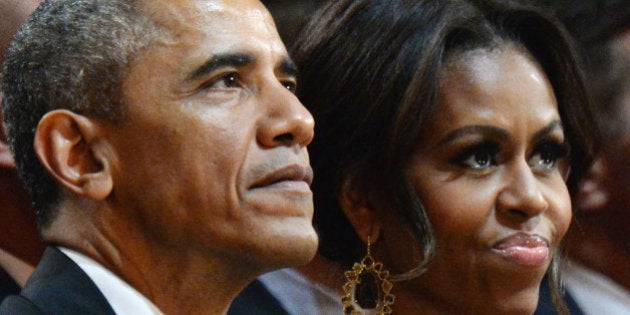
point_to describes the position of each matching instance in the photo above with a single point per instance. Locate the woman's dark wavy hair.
(369, 75)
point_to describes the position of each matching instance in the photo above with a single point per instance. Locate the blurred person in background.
(291, 15)
(20, 245)
(597, 277)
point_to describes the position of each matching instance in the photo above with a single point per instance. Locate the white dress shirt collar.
(299, 295)
(595, 293)
(123, 298)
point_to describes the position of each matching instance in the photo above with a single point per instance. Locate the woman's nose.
(522, 196)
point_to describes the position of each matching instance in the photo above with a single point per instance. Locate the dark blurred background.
(290, 15)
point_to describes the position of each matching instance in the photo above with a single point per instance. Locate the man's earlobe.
(6, 159)
(359, 212)
(592, 194)
(71, 148)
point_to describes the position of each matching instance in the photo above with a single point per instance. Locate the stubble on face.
(191, 139)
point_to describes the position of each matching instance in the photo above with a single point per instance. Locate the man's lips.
(524, 249)
(286, 175)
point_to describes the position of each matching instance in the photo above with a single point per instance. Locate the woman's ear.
(592, 194)
(359, 211)
(71, 148)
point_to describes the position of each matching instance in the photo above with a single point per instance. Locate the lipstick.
(524, 249)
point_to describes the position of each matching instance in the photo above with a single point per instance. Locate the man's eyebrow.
(492, 131)
(221, 60)
(287, 66)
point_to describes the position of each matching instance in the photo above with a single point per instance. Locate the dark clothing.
(545, 304)
(58, 286)
(255, 299)
(7, 285)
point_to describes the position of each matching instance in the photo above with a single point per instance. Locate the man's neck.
(177, 280)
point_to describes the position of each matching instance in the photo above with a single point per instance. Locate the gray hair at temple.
(74, 55)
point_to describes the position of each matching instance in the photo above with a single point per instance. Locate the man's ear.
(359, 211)
(71, 148)
(592, 194)
(6, 159)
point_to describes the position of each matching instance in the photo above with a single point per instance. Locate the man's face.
(211, 156)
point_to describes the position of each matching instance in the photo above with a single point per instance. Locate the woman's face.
(489, 168)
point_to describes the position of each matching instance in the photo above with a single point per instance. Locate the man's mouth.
(292, 176)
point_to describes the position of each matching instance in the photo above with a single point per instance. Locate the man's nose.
(522, 196)
(287, 121)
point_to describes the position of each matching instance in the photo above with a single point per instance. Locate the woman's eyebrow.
(491, 131)
(543, 133)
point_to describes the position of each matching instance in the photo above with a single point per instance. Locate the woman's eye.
(479, 158)
(546, 157)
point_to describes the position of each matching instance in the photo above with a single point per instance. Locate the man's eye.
(226, 81)
(289, 85)
(230, 79)
(546, 157)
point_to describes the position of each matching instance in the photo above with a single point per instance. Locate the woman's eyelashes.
(546, 156)
(479, 156)
(486, 155)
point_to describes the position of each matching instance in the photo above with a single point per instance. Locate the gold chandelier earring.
(367, 288)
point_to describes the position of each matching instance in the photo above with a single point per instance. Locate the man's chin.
(292, 251)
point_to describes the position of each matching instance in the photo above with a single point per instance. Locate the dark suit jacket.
(58, 286)
(545, 304)
(256, 299)
(7, 285)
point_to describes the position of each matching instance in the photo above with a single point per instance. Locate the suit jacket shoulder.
(7, 285)
(57, 286)
(256, 299)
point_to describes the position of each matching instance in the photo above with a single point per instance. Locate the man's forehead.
(214, 26)
(196, 41)
(181, 11)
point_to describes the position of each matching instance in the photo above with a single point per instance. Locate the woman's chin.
(524, 302)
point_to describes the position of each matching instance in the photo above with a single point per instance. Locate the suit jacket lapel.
(60, 286)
